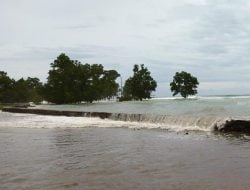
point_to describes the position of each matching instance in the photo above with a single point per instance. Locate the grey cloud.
(210, 38)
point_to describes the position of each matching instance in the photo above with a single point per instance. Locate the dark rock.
(236, 126)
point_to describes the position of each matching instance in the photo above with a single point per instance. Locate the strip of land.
(101, 115)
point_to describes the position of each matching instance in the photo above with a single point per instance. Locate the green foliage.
(6, 87)
(140, 85)
(35, 89)
(60, 86)
(19, 91)
(71, 82)
(94, 87)
(109, 86)
(185, 84)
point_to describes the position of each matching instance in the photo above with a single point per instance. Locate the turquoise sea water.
(204, 106)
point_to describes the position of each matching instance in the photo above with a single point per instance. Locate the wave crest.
(175, 123)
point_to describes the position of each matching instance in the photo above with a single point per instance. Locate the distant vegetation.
(185, 84)
(140, 85)
(22, 90)
(69, 81)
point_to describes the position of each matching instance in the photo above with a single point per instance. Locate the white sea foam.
(122, 120)
(203, 97)
(174, 98)
(193, 121)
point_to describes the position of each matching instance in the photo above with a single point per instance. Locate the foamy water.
(58, 152)
(173, 114)
(38, 121)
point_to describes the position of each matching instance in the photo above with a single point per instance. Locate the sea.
(172, 145)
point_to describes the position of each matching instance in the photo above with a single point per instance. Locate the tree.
(60, 87)
(184, 83)
(98, 83)
(70, 81)
(6, 87)
(22, 90)
(35, 89)
(140, 85)
(109, 86)
(93, 90)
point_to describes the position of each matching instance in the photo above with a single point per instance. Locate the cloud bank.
(209, 38)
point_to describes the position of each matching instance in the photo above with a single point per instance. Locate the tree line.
(70, 81)
(22, 90)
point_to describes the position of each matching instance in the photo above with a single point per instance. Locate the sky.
(208, 38)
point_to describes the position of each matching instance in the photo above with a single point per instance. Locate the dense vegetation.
(22, 90)
(185, 84)
(69, 81)
(140, 85)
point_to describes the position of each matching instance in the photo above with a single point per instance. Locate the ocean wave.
(50, 122)
(222, 97)
(176, 98)
(205, 97)
(136, 121)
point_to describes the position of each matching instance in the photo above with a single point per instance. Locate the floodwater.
(202, 106)
(178, 150)
(119, 158)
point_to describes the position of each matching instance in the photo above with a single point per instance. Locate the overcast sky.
(209, 38)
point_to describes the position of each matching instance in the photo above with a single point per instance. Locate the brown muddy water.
(93, 158)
